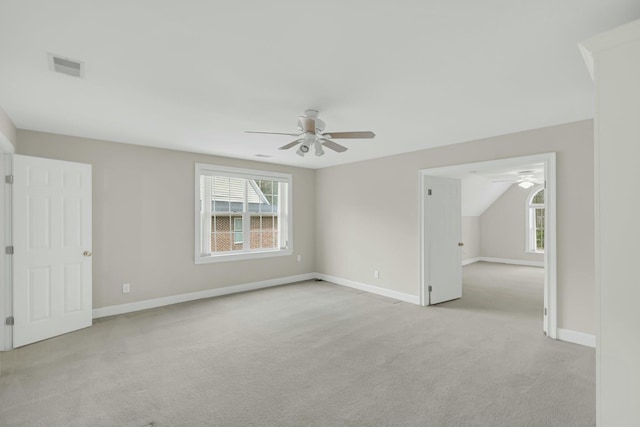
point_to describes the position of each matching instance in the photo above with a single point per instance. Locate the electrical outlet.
(299, 258)
(376, 274)
(126, 288)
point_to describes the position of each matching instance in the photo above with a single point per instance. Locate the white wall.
(368, 214)
(616, 64)
(143, 221)
(7, 129)
(503, 225)
(470, 237)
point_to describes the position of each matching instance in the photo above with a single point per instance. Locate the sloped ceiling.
(194, 75)
(478, 193)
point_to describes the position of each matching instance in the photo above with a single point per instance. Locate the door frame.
(6, 284)
(550, 253)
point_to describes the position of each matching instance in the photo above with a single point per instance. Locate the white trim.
(285, 216)
(471, 260)
(6, 147)
(413, 299)
(6, 289)
(243, 256)
(576, 337)
(550, 261)
(6, 284)
(512, 261)
(209, 293)
(530, 238)
(622, 34)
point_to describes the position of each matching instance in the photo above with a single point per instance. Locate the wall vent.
(68, 66)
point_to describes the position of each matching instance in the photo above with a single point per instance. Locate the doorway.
(514, 167)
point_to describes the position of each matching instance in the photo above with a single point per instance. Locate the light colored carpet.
(312, 354)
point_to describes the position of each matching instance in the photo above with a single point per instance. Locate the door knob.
(87, 253)
(460, 244)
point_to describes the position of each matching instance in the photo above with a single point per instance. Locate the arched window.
(535, 220)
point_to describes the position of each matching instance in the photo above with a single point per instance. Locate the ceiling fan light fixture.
(311, 129)
(526, 184)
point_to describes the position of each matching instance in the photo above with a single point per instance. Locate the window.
(241, 213)
(535, 221)
(237, 231)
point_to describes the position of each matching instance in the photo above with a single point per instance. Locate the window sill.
(535, 252)
(243, 256)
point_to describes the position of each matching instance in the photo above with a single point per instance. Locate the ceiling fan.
(311, 129)
(525, 179)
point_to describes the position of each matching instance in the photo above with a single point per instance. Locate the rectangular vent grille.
(67, 66)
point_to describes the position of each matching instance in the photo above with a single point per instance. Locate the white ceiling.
(483, 183)
(193, 75)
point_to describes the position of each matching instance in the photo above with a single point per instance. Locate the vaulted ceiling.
(194, 75)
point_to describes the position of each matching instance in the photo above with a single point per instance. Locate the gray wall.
(368, 214)
(503, 225)
(470, 237)
(143, 219)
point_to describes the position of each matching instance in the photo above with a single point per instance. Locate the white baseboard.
(413, 299)
(508, 261)
(470, 261)
(209, 293)
(577, 337)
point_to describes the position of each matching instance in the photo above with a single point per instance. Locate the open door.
(442, 251)
(52, 248)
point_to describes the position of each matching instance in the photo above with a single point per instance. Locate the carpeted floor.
(312, 354)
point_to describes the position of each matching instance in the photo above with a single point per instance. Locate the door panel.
(443, 262)
(52, 229)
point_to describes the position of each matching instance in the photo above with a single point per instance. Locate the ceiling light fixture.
(304, 149)
(526, 184)
(319, 149)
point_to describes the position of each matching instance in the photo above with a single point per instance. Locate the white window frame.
(531, 207)
(285, 216)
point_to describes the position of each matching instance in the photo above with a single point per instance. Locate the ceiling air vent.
(68, 66)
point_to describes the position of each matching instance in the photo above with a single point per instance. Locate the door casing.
(550, 254)
(6, 288)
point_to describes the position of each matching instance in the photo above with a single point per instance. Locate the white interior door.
(52, 248)
(443, 260)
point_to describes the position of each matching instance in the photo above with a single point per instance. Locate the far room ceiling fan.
(310, 129)
(524, 179)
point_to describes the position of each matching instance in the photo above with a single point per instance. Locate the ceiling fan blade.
(291, 144)
(338, 135)
(273, 133)
(308, 124)
(333, 145)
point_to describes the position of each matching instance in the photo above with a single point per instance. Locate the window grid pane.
(230, 197)
(539, 219)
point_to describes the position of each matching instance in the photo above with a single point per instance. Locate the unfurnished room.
(319, 213)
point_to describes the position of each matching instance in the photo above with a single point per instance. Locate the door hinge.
(428, 192)
(545, 311)
(9, 321)
(430, 288)
(8, 179)
(8, 250)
